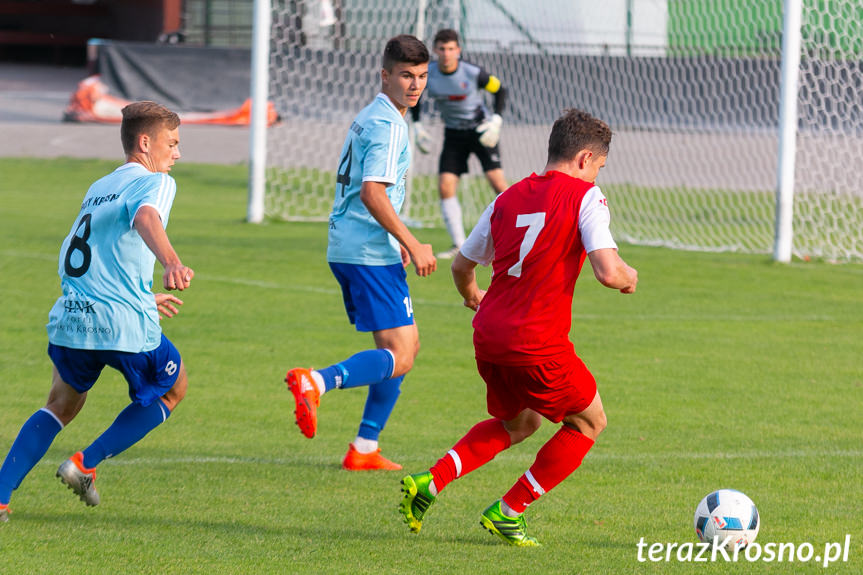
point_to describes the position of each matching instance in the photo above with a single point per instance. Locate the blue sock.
(363, 368)
(129, 428)
(33, 441)
(379, 405)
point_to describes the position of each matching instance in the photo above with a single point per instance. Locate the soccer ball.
(730, 517)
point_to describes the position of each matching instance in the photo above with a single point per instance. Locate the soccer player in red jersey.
(536, 236)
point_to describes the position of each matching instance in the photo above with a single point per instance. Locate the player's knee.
(530, 426)
(407, 364)
(601, 422)
(523, 427)
(404, 362)
(404, 350)
(590, 425)
(176, 394)
(65, 411)
(595, 425)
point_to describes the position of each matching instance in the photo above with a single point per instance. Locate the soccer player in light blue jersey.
(369, 249)
(108, 314)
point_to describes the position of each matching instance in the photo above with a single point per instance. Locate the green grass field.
(722, 371)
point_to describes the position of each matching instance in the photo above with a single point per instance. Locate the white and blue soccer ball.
(727, 517)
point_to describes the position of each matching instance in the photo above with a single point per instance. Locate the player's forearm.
(464, 277)
(374, 197)
(500, 101)
(625, 279)
(149, 226)
(611, 271)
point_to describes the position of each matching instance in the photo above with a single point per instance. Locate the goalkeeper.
(456, 87)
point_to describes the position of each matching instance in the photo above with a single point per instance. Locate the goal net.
(691, 89)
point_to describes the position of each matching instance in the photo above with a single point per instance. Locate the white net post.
(259, 94)
(787, 129)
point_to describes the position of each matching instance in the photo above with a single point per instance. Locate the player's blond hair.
(576, 130)
(144, 118)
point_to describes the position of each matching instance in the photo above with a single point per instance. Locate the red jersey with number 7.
(533, 235)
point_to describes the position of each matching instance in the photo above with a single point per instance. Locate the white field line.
(599, 457)
(29, 255)
(455, 301)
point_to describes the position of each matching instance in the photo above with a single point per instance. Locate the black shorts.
(458, 145)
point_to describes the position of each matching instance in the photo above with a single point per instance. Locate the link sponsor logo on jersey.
(78, 306)
(80, 317)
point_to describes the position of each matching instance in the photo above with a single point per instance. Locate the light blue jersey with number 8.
(376, 149)
(106, 269)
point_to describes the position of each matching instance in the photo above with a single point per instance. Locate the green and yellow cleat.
(513, 530)
(417, 499)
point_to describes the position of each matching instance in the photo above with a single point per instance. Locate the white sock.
(319, 382)
(450, 209)
(364, 445)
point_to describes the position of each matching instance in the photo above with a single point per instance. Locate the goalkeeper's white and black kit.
(470, 127)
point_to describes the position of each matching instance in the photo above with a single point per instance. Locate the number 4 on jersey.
(343, 177)
(534, 224)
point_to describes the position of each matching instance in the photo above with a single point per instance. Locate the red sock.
(479, 446)
(557, 459)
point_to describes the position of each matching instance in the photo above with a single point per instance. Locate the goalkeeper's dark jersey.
(458, 96)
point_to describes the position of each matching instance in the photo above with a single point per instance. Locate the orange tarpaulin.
(92, 102)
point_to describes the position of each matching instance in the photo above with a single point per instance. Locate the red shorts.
(554, 389)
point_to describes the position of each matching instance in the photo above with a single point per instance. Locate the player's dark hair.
(575, 131)
(144, 118)
(404, 48)
(445, 35)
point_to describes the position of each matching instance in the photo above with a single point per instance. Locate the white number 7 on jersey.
(534, 223)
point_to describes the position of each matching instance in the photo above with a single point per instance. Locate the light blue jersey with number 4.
(106, 269)
(376, 149)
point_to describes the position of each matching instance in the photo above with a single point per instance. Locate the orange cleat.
(307, 399)
(356, 461)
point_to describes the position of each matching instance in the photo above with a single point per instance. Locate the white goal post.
(738, 126)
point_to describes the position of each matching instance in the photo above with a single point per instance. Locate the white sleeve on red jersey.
(593, 221)
(479, 246)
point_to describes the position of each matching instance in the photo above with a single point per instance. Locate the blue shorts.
(376, 297)
(150, 374)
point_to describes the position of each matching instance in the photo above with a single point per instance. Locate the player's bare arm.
(374, 197)
(165, 305)
(464, 276)
(148, 223)
(611, 271)
(406, 257)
